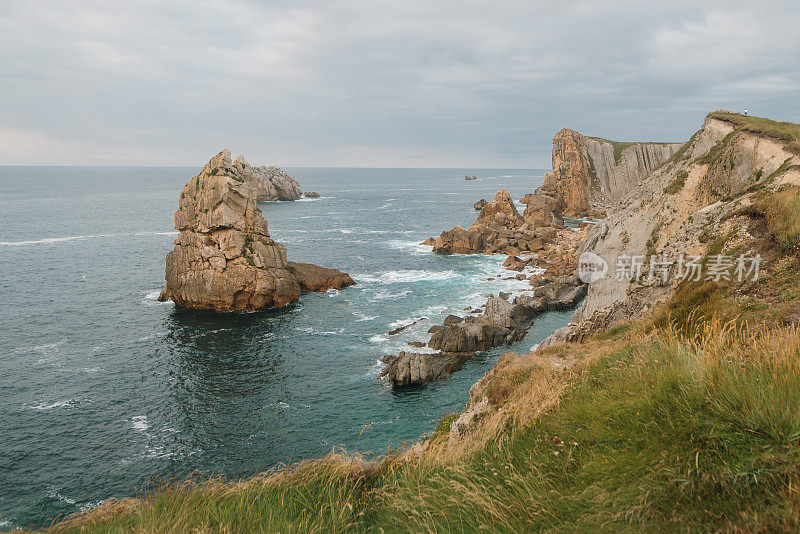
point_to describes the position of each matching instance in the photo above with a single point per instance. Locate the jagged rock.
(270, 183)
(311, 194)
(452, 319)
(543, 210)
(409, 368)
(429, 242)
(500, 211)
(224, 258)
(468, 177)
(459, 241)
(469, 337)
(320, 279)
(479, 204)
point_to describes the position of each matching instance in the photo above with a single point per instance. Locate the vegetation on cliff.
(788, 132)
(684, 420)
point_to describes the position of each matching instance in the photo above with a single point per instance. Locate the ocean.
(105, 388)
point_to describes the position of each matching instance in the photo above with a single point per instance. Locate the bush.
(677, 183)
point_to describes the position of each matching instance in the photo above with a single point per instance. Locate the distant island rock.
(271, 183)
(311, 194)
(468, 177)
(224, 258)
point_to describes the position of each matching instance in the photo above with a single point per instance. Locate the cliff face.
(679, 209)
(591, 173)
(224, 258)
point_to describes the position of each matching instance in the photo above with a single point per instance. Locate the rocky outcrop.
(311, 194)
(224, 258)
(502, 322)
(468, 177)
(715, 173)
(590, 172)
(271, 183)
(479, 204)
(320, 279)
(499, 228)
(407, 369)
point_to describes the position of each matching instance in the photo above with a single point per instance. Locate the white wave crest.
(56, 240)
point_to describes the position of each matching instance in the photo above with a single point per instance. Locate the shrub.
(677, 183)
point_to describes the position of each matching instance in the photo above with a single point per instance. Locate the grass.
(677, 183)
(782, 212)
(787, 132)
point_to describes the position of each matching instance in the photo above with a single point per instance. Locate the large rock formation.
(673, 211)
(271, 183)
(499, 228)
(224, 258)
(588, 172)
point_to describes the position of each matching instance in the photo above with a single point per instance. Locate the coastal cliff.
(224, 258)
(681, 208)
(589, 173)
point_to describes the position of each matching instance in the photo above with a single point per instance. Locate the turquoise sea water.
(104, 388)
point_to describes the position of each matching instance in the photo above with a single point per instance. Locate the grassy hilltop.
(685, 420)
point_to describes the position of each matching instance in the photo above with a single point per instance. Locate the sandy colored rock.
(224, 258)
(315, 278)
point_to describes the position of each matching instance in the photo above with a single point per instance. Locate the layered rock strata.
(589, 172)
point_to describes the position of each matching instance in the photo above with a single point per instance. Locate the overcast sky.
(408, 83)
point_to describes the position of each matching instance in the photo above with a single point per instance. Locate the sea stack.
(224, 258)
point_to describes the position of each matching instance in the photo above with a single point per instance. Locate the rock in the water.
(459, 241)
(224, 259)
(468, 177)
(271, 183)
(500, 211)
(311, 194)
(409, 368)
(315, 278)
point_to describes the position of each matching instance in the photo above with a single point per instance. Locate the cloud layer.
(412, 83)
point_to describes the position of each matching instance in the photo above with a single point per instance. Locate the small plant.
(759, 174)
(706, 236)
(214, 171)
(444, 424)
(677, 183)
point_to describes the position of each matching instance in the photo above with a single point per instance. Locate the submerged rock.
(224, 258)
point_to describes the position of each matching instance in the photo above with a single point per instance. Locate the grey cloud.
(413, 83)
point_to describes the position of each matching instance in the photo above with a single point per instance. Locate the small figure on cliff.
(745, 112)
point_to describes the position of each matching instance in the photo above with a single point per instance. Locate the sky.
(411, 83)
